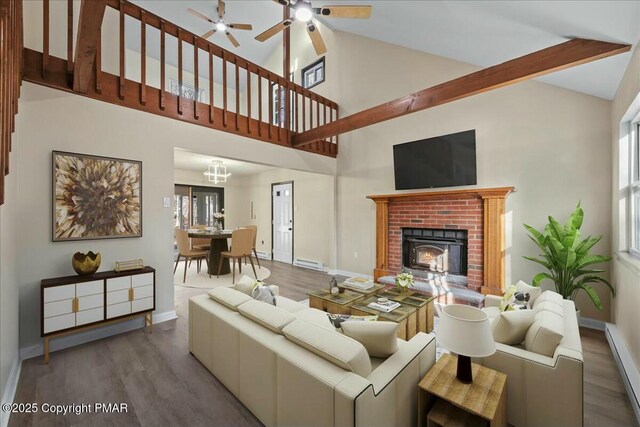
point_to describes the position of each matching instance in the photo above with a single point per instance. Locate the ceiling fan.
(220, 25)
(303, 11)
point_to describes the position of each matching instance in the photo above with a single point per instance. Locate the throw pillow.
(507, 299)
(549, 296)
(245, 285)
(379, 338)
(511, 327)
(337, 319)
(545, 333)
(533, 291)
(263, 293)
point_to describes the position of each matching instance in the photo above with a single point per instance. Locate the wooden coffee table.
(405, 316)
(422, 303)
(333, 303)
(376, 289)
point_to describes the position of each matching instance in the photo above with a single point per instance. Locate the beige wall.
(552, 144)
(626, 106)
(9, 287)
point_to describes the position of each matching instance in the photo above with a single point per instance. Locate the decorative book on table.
(360, 283)
(386, 307)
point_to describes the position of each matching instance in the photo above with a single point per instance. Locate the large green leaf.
(593, 295)
(568, 258)
(539, 261)
(592, 259)
(540, 245)
(584, 246)
(555, 228)
(538, 278)
(571, 238)
(576, 217)
(593, 279)
(539, 237)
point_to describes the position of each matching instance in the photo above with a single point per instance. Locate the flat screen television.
(443, 161)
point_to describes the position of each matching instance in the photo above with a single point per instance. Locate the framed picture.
(95, 197)
(313, 74)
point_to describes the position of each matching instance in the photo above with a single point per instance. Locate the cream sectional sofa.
(291, 368)
(542, 390)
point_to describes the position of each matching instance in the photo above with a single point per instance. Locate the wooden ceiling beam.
(559, 57)
(91, 14)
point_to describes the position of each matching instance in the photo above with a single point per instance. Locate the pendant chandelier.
(217, 172)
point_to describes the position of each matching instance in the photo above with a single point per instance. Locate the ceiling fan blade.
(316, 38)
(232, 39)
(345, 11)
(221, 9)
(208, 34)
(282, 2)
(200, 15)
(273, 30)
(240, 26)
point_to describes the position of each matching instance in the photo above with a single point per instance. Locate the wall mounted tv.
(443, 161)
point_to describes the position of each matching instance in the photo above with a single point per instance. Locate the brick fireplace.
(473, 218)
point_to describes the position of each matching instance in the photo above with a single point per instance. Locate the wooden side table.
(486, 397)
(334, 304)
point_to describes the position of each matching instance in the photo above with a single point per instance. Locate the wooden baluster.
(317, 112)
(179, 71)
(70, 40)
(271, 85)
(143, 58)
(196, 82)
(259, 103)
(45, 37)
(99, 63)
(4, 74)
(224, 89)
(279, 104)
(122, 51)
(162, 68)
(237, 95)
(331, 120)
(211, 106)
(295, 107)
(248, 100)
(310, 112)
(304, 112)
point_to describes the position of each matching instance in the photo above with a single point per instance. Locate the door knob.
(289, 228)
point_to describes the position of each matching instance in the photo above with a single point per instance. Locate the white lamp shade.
(465, 330)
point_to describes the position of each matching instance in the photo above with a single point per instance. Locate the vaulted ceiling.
(481, 33)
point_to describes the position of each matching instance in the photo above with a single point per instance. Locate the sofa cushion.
(315, 316)
(533, 291)
(550, 306)
(379, 338)
(245, 285)
(267, 315)
(289, 305)
(545, 333)
(338, 349)
(550, 296)
(511, 327)
(228, 297)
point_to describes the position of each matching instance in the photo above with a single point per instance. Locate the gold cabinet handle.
(74, 305)
(130, 294)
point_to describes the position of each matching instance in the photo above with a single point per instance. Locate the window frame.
(634, 187)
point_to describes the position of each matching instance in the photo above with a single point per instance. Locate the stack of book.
(358, 283)
(386, 307)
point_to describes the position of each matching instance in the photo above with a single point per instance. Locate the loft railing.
(245, 99)
(10, 79)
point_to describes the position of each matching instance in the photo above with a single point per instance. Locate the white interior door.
(282, 202)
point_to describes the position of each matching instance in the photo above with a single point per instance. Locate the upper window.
(635, 191)
(313, 75)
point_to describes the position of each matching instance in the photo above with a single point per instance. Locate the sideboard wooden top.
(484, 193)
(97, 276)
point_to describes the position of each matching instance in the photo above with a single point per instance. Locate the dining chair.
(182, 239)
(255, 237)
(240, 248)
(200, 243)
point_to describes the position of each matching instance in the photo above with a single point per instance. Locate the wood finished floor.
(164, 385)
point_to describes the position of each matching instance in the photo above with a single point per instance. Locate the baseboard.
(93, 335)
(587, 322)
(628, 370)
(347, 274)
(10, 390)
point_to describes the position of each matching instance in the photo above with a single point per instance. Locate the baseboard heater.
(313, 265)
(264, 255)
(628, 371)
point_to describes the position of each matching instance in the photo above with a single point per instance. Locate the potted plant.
(404, 281)
(566, 257)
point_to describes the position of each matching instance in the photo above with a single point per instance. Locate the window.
(634, 247)
(313, 75)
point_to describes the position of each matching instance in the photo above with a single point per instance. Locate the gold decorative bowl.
(86, 264)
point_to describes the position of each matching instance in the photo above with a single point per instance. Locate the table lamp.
(466, 331)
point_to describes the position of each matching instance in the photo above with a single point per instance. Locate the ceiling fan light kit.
(220, 25)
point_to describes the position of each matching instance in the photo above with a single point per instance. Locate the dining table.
(217, 246)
